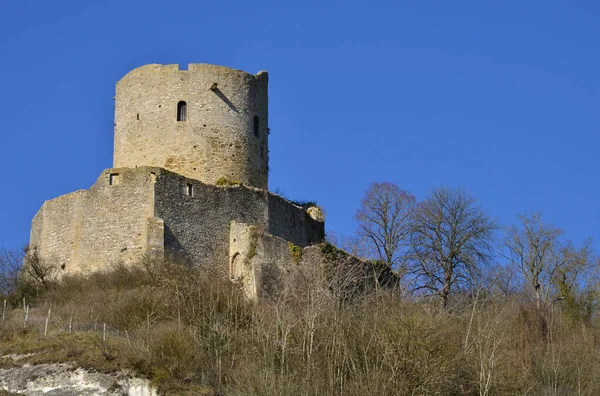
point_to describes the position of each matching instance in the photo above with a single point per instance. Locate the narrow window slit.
(181, 111)
(256, 125)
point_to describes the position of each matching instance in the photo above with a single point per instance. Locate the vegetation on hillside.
(192, 331)
(471, 311)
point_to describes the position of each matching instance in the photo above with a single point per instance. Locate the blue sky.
(500, 98)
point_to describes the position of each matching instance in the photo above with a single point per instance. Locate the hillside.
(192, 331)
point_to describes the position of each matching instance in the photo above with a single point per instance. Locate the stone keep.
(177, 133)
(224, 131)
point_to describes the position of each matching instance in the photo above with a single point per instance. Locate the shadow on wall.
(271, 281)
(221, 95)
(174, 250)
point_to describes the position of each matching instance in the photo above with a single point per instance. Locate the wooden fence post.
(26, 315)
(47, 320)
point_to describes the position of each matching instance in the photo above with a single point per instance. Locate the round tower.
(207, 123)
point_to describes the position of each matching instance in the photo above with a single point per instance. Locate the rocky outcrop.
(65, 379)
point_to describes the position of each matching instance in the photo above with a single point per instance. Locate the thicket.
(192, 331)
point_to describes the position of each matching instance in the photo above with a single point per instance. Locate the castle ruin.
(189, 180)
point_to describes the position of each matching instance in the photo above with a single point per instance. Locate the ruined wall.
(266, 265)
(130, 212)
(243, 244)
(272, 262)
(88, 230)
(197, 216)
(258, 261)
(292, 222)
(216, 140)
(55, 229)
(114, 226)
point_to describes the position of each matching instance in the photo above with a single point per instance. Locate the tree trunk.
(446, 290)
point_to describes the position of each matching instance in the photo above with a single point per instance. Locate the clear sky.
(498, 97)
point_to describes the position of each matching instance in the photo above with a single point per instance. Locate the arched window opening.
(256, 125)
(235, 271)
(181, 111)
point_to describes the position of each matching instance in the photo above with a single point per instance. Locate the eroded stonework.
(189, 181)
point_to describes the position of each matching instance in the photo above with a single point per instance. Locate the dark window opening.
(256, 125)
(189, 190)
(138, 116)
(181, 111)
(113, 179)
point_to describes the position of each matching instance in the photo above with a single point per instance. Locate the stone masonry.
(189, 181)
(217, 138)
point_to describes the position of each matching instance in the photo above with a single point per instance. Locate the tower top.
(192, 68)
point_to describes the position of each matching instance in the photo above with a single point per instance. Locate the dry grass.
(192, 332)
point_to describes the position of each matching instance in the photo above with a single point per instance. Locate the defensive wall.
(132, 212)
(265, 265)
(84, 230)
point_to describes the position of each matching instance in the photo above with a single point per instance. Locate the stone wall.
(292, 223)
(271, 265)
(114, 226)
(197, 217)
(197, 223)
(85, 231)
(258, 261)
(216, 140)
(131, 212)
(56, 229)
(272, 262)
(243, 245)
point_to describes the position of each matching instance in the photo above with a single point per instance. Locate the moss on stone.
(331, 252)
(253, 245)
(223, 181)
(304, 204)
(295, 252)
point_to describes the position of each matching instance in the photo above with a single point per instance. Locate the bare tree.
(384, 221)
(501, 280)
(356, 245)
(550, 266)
(10, 268)
(38, 269)
(451, 238)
